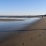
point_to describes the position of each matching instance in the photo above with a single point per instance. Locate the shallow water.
(16, 25)
(7, 28)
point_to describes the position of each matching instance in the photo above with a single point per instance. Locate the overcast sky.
(22, 7)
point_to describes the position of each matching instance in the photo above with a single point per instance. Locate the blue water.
(13, 25)
(16, 25)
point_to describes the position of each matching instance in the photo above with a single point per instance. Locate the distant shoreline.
(14, 19)
(11, 20)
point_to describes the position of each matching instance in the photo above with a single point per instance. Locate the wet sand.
(34, 35)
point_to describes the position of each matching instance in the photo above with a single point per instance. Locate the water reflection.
(7, 28)
(16, 25)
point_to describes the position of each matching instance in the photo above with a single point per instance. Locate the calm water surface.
(16, 25)
(7, 27)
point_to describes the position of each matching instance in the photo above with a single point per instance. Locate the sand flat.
(34, 36)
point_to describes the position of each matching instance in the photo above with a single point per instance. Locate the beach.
(34, 35)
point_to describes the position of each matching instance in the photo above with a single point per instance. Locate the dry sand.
(34, 36)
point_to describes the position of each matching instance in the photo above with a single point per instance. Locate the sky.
(22, 7)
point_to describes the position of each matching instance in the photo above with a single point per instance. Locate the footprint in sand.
(43, 32)
(39, 35)
(31, 38)
(23, 43)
